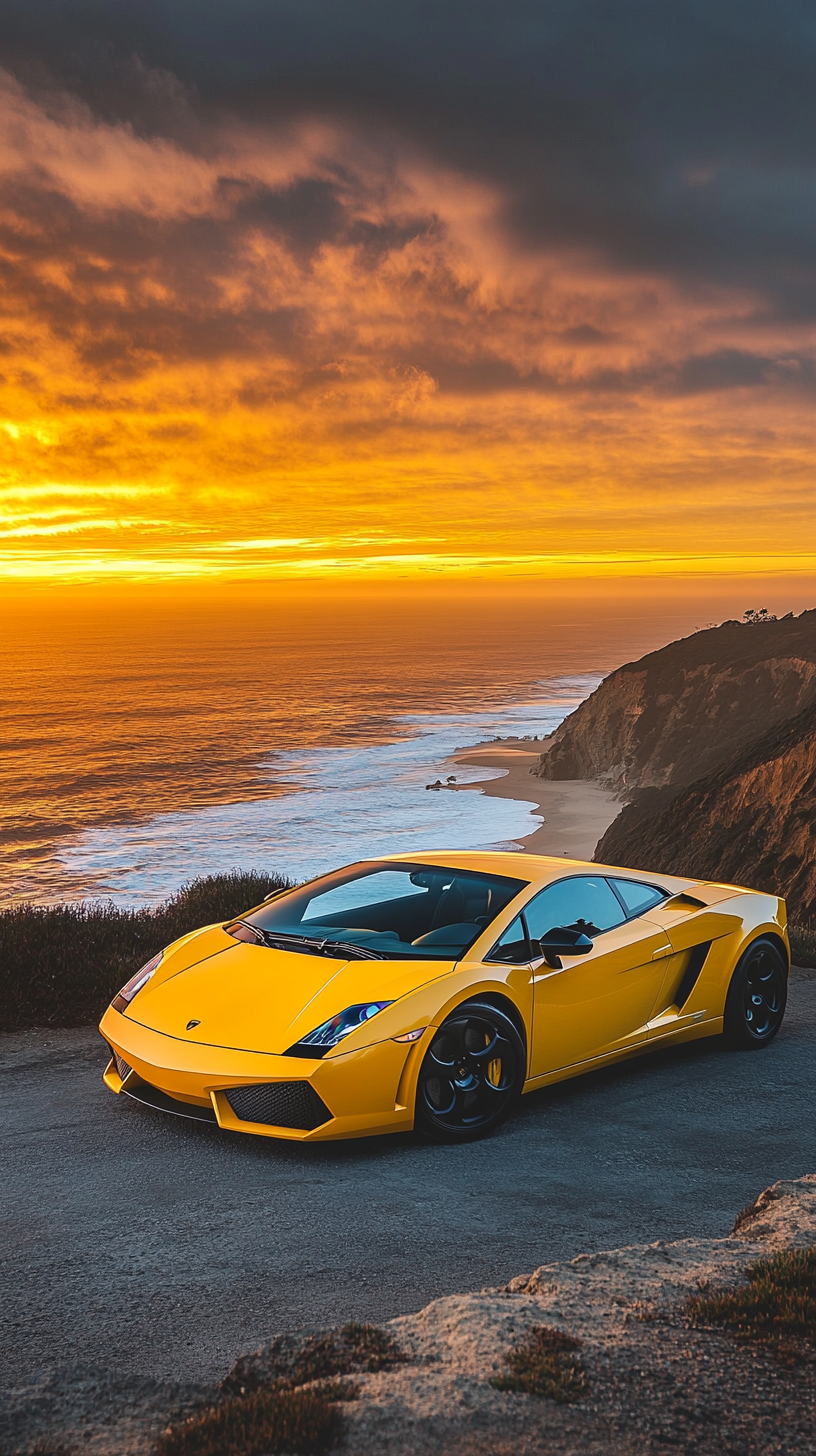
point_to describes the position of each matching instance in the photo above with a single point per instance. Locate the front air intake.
(280, 1104)
(121, 1065)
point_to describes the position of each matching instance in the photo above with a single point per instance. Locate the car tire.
(471, 1075)
(757, 995)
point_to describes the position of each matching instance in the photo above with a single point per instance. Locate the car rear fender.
(721, 934)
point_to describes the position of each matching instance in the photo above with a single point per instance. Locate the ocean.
(151, 739)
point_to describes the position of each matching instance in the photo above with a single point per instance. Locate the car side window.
(637, 898)
(585, 903)
(512, 946)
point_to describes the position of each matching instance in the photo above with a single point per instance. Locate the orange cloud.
(278, 350)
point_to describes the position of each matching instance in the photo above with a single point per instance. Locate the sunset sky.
(398, 289)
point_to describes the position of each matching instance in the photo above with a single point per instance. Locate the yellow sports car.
(429, 991)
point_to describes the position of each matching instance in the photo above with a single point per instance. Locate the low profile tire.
(471, 1075)
(755, 1004)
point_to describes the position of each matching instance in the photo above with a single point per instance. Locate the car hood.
(254, 998)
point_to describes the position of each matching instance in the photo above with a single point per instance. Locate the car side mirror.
(561, 941)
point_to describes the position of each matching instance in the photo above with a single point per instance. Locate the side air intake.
(691, 974)
(279, 1104)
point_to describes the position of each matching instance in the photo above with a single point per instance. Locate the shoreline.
(576, 812)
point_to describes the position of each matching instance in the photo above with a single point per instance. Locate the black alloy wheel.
(756, 999)
(471, 1075)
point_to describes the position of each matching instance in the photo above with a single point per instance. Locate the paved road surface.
(168, 1248)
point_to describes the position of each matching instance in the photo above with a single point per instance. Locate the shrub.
(353, 1347)
(61, 965)
(777, 1308)
(803, 943)
(276, 1419)
(545, 1363)
(47, 1447)
(288, 1403)
(297, 1360)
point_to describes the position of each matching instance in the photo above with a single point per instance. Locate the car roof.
(534, 868)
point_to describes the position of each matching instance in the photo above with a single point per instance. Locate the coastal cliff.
(753, 822)
(711, 743)
(688, 709)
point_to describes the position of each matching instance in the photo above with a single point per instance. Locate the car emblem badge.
(191, 1024)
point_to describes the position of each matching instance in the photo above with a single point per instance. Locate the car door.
(600, 1002)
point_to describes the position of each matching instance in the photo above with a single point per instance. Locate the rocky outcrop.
(657, 1382)
(684, 711)
(751, 823)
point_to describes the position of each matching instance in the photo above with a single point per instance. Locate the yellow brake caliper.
(493, 1068)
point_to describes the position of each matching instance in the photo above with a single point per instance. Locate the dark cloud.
(485, 375)
(585, 334)
(305, 214)
(724, 369)
(674, 139)
(98, 303)
(677, 136)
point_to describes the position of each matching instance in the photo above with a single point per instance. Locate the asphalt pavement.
(167, 1248)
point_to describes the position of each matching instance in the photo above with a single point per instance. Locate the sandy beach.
(576, 812)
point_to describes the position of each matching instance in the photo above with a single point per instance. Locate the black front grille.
(281, 1104)
(121, 1065)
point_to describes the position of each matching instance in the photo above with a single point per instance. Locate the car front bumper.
(354, 1094)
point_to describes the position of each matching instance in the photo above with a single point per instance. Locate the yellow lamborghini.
(429, 991)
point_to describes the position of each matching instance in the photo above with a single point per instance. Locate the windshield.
(398, 911)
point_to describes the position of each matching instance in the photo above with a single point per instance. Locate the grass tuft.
(62, 965)
(347, 1350)
(802, 943)
(46, 1447)
(275, 1419)
(289, 1404)
(777, 1309)
(352, 1347)
(755, 1210)
(545, 1363)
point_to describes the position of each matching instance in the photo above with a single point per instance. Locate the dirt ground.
(657, 1383)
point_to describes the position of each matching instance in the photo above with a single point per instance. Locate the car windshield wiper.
(286, 940)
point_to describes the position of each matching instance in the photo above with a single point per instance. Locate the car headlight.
(136, 983)
(324, 1037)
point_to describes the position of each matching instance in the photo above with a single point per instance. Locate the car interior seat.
(463, 900)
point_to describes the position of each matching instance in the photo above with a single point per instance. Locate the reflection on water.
(349, 804)
(148, 742)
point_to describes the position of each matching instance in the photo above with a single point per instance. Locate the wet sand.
(576, 812)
